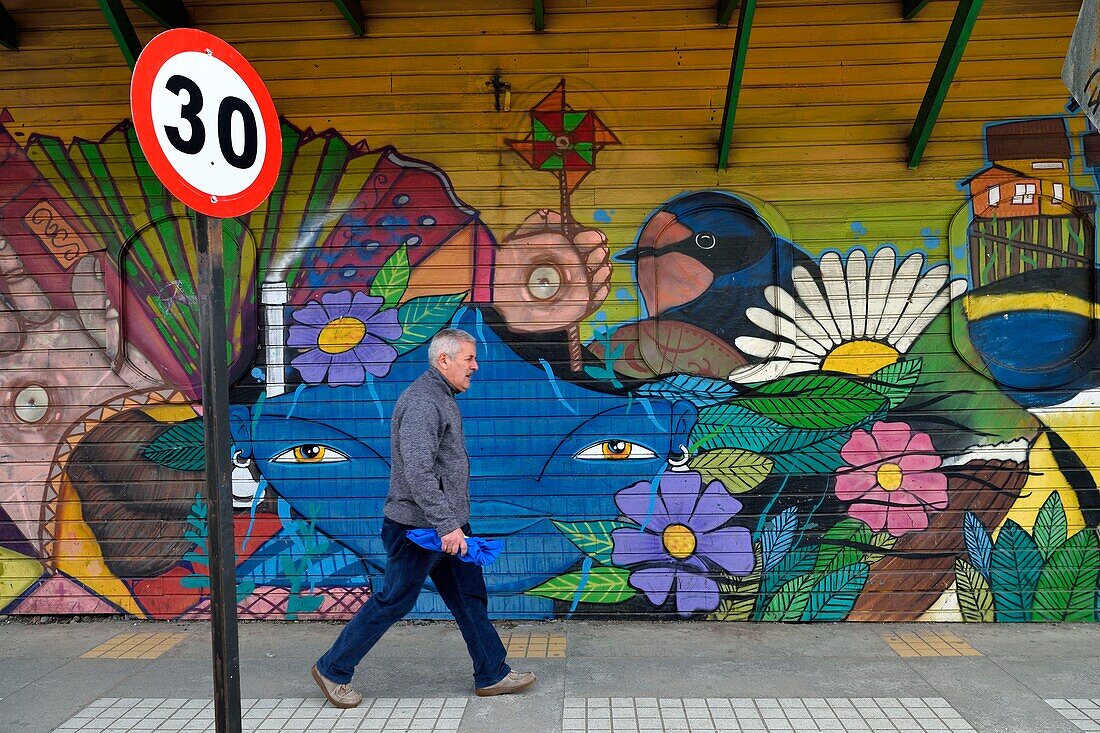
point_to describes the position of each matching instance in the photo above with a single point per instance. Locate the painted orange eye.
(309, 453)
(616, 450)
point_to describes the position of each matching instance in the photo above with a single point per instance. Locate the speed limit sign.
(205, 122)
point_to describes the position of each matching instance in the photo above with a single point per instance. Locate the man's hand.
(454, 542)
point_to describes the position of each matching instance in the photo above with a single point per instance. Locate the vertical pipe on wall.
(274, 297)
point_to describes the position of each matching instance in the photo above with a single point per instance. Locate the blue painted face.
(540, 449)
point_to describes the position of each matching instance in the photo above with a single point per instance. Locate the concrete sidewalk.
(625, 676)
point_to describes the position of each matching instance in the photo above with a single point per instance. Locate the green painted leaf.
(835, 556)
(392, 280)
(813, 401)
(880, 539)
(833, 597)
(821, 457)
(603, 585)
(896, 381)
(791, 600)
(592, 538)
(739, 471)
(180, 447)
(421, 318)
(1013, 573)
(799, 561)
(972, 589)
(1066, 587)
(700, 391)
(733, 426)
(1051, 527)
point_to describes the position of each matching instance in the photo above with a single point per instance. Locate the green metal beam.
(733, 88)
(353, 14)
(540, 16)
(910, 8)
(9, 32)
(122, 29)
(725, 10)
(953, 46)
(169, 13)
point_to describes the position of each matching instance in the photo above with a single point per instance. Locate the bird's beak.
(630, 254)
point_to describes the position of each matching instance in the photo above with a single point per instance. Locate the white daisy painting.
(856, 318)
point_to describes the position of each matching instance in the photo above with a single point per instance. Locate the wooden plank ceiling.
(173, 14)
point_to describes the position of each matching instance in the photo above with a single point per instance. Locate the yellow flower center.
(889, 476)
(341, 335)
(861, 358)
(679, 541)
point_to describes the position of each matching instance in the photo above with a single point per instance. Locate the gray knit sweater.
(430, 473)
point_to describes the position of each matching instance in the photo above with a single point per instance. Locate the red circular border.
(155, 54)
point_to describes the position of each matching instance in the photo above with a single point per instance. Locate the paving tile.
(136, 645)
(1082, 712)
(929, 643)
(159, 715)
(524, 645)
(737, 715)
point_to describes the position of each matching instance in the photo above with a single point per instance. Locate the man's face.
(461, 368)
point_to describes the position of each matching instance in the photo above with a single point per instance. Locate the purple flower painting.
(682, 534)
(344, 337)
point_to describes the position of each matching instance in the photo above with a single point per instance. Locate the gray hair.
(446, 342)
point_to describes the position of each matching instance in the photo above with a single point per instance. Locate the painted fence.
(813, 387)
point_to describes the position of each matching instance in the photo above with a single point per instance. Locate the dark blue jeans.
(460, 584)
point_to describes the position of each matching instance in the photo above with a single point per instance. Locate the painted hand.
(56, 365)
(548, 278)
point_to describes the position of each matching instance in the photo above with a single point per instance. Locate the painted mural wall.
(813, 387)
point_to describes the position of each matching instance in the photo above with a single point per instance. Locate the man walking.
(429, 488)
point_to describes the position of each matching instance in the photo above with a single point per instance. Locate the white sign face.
(1081, 71)
(205, 122)
(208, 123)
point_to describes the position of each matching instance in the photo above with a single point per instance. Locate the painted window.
(994, 193)
(1059, 193)
(1025, 193)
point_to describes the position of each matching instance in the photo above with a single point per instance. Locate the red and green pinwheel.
(564, 142)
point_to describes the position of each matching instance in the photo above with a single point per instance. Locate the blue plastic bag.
(479, 551)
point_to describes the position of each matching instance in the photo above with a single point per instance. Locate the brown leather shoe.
(512, 682)
(342, 696)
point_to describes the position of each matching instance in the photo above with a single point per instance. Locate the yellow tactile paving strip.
(137, 645)
(929, 644)
(534, 646)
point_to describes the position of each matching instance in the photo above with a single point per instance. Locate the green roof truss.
(352, 11)
(122, 29)
(540, 15)
(733, 88)
(725, 10)
(169, 13)
(910, 8)
(966, 15)
(9, 32)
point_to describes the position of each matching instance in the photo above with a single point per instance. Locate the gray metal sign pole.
(215, 420)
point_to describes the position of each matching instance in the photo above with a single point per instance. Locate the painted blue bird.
(705, 257)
